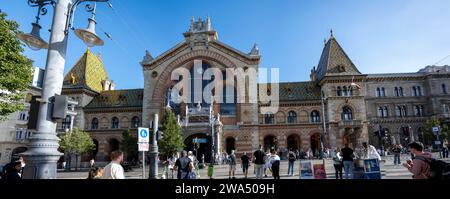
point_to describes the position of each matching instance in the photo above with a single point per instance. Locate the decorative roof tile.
(88, 72)
(298, 91)
(118, 98)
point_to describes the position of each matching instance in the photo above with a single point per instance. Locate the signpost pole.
(143, 164)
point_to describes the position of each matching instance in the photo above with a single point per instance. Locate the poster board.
(372, 169)
(306, 169)
(319, 171)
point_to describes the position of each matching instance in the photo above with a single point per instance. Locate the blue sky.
(380, 36)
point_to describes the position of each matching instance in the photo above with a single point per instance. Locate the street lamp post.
(323, 125)
(154, 151)
(42, 153)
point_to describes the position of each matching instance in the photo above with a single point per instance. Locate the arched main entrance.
(293, 142)
(16, 152)
(315, 144)
(230, 144)
(270, 142)
(199, 144)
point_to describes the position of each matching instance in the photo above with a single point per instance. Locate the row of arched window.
(398, 91)
(344, 91)
(135, 122)
(269, 118)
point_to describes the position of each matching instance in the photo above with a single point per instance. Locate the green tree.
(15, 69)
(129, 145)
(77, 143)
(172, 140)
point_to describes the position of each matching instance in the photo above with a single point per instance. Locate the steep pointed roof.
(334, 61)
(88, 73)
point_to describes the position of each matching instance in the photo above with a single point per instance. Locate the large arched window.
(135, 122)
(115, 123)
(94, 123)
(315, 117)
(347, 114)
(444, 88)
(268, 118)
(344, 91)
(292, 117)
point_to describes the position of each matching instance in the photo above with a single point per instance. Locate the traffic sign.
(143, 135)
(435, 129)
(143, 146)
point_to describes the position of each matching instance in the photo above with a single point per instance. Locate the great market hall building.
(355, 106)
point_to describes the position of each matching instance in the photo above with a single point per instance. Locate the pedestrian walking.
(274, 162)
(396, 150)
(370, 152)
(114, 169)
(445, 151)
(418, 165)
(245, 162)
(291, 160)
(92, 163)
(258, 159)
(347, 160)
(172, 160)
(267, 163)
(184, 166)
(337, 163)
(232, 163)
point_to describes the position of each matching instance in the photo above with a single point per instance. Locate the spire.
(335, 61)
(331, 34)
(147, 58)
(208, 23)
(255, 50)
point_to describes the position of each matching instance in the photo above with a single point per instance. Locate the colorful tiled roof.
(334, 61)
(118, 98)
(88, 72)
(298, 91)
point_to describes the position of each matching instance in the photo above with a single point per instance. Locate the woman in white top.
(274, 162)
(114, 170)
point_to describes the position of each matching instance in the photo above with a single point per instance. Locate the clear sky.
(380, 36)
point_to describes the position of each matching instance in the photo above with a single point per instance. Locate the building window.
(445, 108)
(381, 92)
(115, 123)
(292, 117)
(417, 91)
(135, 122)
(344, 91)
(66, 122)
(383, 111)
(347, 113)
(339, 91)
(94, 123)
(315, 117)
(418, 111)
(18, 135)
(400, 111)
(398, 91)
(444, 89)
(268, 118)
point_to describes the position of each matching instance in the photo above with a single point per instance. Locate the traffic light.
(61, 107)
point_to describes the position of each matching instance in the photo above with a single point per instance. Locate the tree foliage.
(15, 69)
(129, 144)
(78, 142)
(172, 140)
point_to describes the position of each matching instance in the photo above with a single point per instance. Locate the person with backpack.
(258, 159)
(291, 157)
(418, 166)
(184, 166)
(245, 162)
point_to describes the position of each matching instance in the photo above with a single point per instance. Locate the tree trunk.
(76, 162)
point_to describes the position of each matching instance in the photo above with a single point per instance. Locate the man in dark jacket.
(14, 173)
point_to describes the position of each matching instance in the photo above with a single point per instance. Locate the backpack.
(291, 157)
(438, 168)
